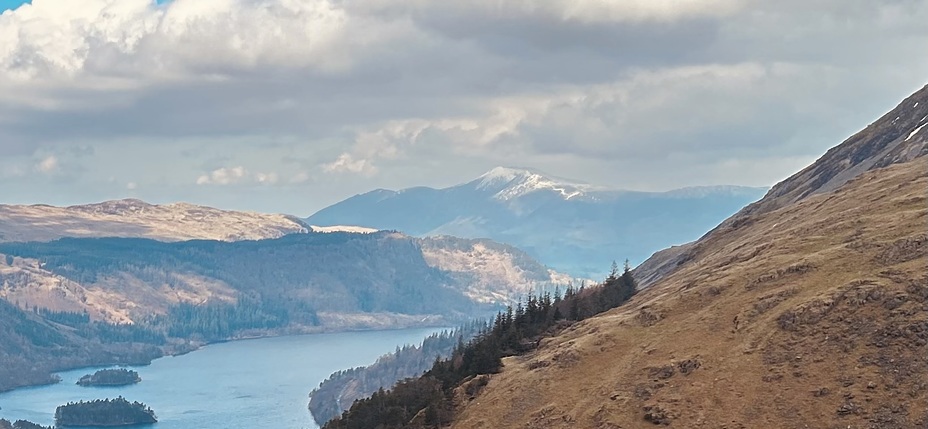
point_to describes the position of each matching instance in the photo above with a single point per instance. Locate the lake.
(235, 385)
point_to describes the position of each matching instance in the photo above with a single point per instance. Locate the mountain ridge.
(571, 226)
(136, 218)
(878, 145)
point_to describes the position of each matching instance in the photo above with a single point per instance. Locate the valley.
(149, 298)
(405, 214)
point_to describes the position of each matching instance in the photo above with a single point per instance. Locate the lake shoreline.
(239, 381)
(189, 346)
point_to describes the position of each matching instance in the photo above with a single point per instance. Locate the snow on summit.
(511, 183)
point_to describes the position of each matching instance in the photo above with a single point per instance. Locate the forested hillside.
(429, 401)
(34, 346)
(287, 278)
(336, 393)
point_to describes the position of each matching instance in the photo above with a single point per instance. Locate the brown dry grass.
(813, 315)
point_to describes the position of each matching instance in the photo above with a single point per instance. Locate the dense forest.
(104, 412)
(427, 401)
(336, 393)
(110, 377)
(34, 347)
(21, 424)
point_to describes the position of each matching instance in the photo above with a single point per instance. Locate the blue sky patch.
(13, 4)
(10, 4)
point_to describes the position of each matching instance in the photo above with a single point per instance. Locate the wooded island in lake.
(104, 412)
(110, 377)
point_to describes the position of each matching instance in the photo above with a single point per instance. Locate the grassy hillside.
(814, 314)
(808, 308)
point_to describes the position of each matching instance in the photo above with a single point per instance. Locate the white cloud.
(394, 93)
(236, 176)
(346, 163)
(132, 186)
(266, 178)
(48, 165)
(615, 11)
(223, 176)
(115, 41)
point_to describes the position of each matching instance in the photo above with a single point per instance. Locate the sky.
(292, 105)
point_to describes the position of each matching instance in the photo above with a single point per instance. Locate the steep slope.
(573, 227)
(138, 219)
(807, 309)
(898, 136)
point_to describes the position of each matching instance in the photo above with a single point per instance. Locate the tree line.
(104, 412)
(427, 402)
(342, 388)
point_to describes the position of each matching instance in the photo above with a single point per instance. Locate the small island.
(104, 412)
(110, 377)
(21, 424)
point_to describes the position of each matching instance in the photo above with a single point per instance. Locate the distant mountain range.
(574, 227)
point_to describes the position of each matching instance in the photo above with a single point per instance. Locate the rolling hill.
(138, 219)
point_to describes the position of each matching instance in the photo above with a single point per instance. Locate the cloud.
(236, 176)
(266, 178)
(116, 41)
(48, 165)
(300, 177)
(346, 163)
(391, 93)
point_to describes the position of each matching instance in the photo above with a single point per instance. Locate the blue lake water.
(236, 385)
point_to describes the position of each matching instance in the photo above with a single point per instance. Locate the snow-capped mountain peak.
(510, 183)
(501, 176)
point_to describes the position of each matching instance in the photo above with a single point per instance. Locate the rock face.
(138, 219)
(807, 309)
(573, 227)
